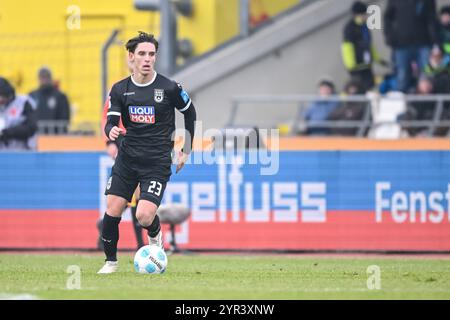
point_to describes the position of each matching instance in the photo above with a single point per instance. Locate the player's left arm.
(185, 105)
(112, 130)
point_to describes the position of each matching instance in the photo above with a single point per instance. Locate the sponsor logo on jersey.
(185, 96)
(108, 186)
(142, 114)
(128, 93)
(159, 95)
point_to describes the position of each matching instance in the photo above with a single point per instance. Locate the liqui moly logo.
(142, 114)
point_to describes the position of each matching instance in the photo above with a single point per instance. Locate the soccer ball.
(150, 259)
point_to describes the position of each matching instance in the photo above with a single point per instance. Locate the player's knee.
(145, 218)
(115, 207)
(113, 211)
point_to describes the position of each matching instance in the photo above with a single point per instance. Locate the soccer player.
(146, 103)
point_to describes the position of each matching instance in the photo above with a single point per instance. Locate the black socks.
(154, 228)
(110, 236)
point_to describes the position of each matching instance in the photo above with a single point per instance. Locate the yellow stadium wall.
(35, 33)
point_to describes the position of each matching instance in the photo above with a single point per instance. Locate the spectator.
(319, 110)
(52, 104)
(425, 110)
(419, 110)
(349, 110)
(410, 28)
(441, 85)
(17, 119)
(358, 52)
(437, 63)
(444, 30)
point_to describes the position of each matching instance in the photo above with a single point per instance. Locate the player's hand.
(182, 158)
(114, 133)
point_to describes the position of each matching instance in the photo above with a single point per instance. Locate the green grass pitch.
(44, 276)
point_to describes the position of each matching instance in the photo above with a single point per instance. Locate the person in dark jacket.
(349, 110)
(410, 29)
(52, 104)
(17, 120)
(358, 51)
(444, 30)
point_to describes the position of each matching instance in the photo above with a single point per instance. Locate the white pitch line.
(21, 296)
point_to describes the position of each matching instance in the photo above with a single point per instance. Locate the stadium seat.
(385, 111)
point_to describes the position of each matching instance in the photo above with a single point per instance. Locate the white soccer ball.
(150, 259)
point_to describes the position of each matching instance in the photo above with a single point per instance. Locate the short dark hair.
(359, 7)
(445, 10)
(328, 83)
(356, 84)
(45, 72)
(142, 37)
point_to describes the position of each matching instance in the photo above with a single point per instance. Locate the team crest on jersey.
(142, 114)
(159, 95)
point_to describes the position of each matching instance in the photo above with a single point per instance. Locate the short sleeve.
(181, 98)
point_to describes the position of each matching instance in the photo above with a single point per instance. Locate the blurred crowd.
(45, 110)
(417, 32)
(419, 37)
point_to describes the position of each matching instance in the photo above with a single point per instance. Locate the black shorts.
(126, 175)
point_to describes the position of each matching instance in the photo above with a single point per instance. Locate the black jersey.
(148, 115)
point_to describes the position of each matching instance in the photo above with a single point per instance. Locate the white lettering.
(235, 180)
(399, 205)
(181, 189)
(402, 205)
(436, 207)
(199, 213)
(319, 213)
(222, 190)
(419, 197)
(380, 203)
(290, 214)
(374, 18)
(257, 215)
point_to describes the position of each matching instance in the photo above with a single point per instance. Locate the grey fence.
(248, 110)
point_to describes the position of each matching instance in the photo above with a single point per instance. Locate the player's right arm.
(112, 129)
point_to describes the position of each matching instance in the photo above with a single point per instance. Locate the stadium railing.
(377, 112)
(53, 127)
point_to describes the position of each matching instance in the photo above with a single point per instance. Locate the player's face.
(143, 59)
